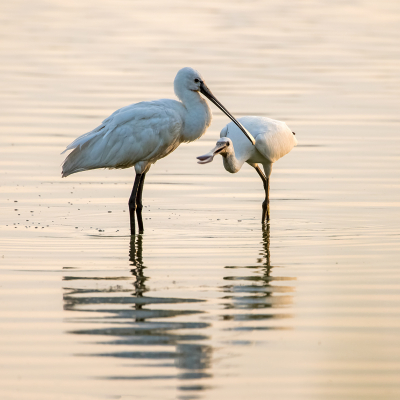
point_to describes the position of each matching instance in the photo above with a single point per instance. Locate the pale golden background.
(215, 308)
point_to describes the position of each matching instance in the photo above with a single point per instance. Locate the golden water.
(206, 304)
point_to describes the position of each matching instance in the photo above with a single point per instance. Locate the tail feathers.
(72, 163)
(80, 159)
(66, 173)
(97, 149)
(95, 153)
(81, 140)
(82, 156)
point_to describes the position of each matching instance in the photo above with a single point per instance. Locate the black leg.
(132, 202)
(139, 205)
(265, 204)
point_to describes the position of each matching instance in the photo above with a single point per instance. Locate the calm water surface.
(205, 304)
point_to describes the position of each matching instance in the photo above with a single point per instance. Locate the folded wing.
(144, 131)
(274, 139)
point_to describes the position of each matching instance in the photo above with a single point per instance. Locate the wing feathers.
(273, 138)
(275, 142)
(139, 132)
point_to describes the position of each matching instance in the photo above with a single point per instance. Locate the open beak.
(208, 157)
(207, 92)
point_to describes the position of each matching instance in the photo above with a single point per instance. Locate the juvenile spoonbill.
(140, 134)
(273, 139)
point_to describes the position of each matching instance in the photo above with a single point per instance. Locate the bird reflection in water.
(161, 330)
(136, 258)
(259, 291)
(130, 324)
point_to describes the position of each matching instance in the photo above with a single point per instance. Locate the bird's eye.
(227, 144)
(197, 80)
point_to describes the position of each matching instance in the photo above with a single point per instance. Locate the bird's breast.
(196, 121)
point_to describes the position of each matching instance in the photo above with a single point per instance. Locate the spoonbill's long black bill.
(207, 92)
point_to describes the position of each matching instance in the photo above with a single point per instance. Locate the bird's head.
(224, 147)
(187, 79)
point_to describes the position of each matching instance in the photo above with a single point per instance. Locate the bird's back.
(273, 138)
(145, 131)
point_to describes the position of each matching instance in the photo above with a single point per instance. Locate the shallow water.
(205, 304)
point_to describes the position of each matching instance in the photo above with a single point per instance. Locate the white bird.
(140, 134)
(273, 139)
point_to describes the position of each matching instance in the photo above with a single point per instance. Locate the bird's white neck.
(198, 117)
(232, 163)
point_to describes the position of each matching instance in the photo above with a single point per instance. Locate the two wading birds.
(140, 134)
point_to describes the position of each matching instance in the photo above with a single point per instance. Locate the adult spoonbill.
(273, 139)
(140, 134)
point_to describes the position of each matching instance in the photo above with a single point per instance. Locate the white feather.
(273, 139)
(142, 133)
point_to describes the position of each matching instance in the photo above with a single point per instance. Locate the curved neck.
(232, 163)
(198, 115)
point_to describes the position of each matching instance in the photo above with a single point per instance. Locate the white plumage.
(140, 134)
(273, 139)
